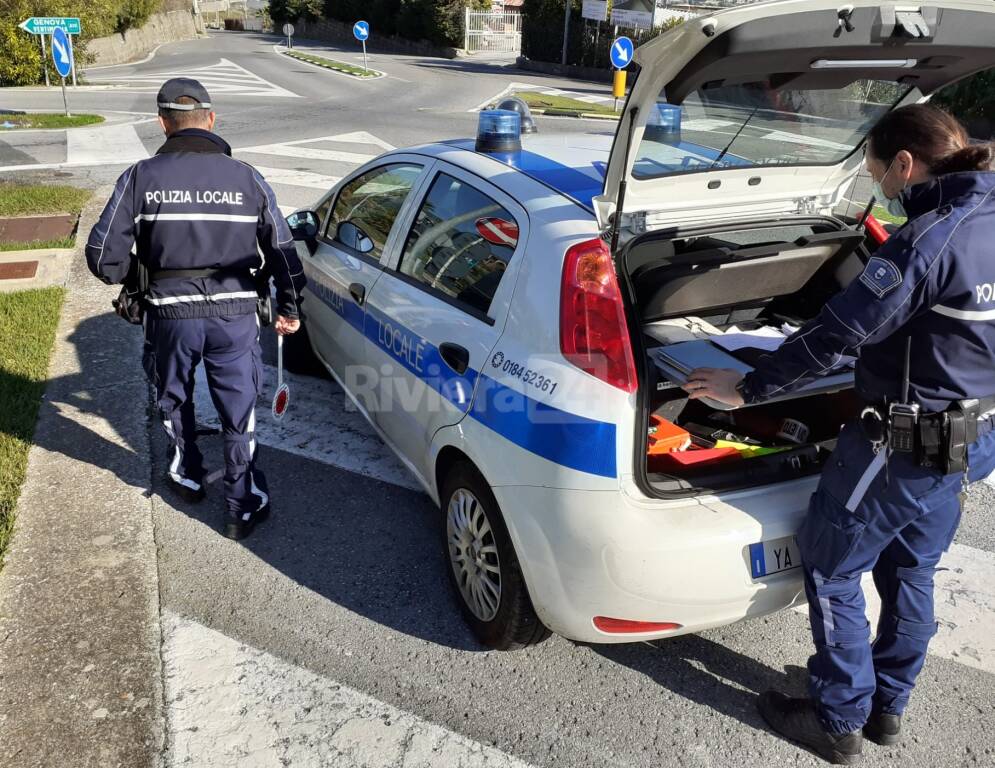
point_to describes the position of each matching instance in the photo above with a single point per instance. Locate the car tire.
(482, 565)
(299, 357)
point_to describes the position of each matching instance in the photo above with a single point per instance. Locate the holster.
(960, 431)
(130, 302)
(264, 304)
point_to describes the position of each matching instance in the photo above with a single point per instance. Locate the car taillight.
(593, 332)
(627, 627)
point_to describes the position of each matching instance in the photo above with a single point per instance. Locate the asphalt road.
(347, 580)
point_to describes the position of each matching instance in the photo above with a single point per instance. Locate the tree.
(282, 11)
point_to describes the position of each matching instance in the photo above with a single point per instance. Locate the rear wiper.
(733, 139)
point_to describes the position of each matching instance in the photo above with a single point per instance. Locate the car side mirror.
(303, 225)
(353, 237)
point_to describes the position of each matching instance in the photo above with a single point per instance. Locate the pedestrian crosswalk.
(301, 170)
(224, 78)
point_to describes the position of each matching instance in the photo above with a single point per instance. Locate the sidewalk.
(80, 677)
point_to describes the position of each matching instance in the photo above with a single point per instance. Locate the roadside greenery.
(46, 120)
(28, 199)
(38, 245)
(881, 214)
(562, 104)
(27, 332)
(20, 53)
(338, 66)
(437, 21)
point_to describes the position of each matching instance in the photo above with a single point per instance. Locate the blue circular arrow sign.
(361, 30)
(60, 52)
(621, 53)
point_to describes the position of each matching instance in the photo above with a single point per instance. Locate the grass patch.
(47, 120)
(338, 66)
(563, 104)
(881, 214)
(30, 199)
(27, 333)
(60, 242)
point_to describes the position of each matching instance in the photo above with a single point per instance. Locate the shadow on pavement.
(371, 547)
(708, 673)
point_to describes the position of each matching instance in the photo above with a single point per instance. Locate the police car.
(509, 314)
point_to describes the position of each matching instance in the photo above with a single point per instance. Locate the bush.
(973, 101)
(20, 56)
(134, 13)
(437, 21)
(589, 43)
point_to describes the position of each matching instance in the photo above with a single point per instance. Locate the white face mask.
(892, 204)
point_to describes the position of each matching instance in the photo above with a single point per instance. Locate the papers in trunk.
(740, 351)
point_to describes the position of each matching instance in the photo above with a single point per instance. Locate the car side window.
(366, 208)
(460, 243)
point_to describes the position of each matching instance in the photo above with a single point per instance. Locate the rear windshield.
(756, 125)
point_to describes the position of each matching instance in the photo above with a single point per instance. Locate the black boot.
(795, 719)
(185, 492)
(884, 728)
(238, 529)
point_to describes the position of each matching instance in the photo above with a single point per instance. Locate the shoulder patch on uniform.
(881, 276)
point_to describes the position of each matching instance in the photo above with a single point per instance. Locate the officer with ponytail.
(921, 321)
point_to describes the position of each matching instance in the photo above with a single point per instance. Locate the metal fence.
(493, 32)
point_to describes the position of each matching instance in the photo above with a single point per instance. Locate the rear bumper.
(605, 553)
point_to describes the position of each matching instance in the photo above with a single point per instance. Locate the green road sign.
(46, 25)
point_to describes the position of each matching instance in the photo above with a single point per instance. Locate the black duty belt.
(938, 440)
(166, 274)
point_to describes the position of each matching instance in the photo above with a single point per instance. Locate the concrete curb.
(289, 54)
(80, 637)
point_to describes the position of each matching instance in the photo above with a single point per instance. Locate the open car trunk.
(737, 142)
(696, 294)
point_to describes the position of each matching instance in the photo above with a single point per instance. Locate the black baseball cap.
(173, 90)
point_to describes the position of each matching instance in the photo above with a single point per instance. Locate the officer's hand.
(286, 325)
(716, 384)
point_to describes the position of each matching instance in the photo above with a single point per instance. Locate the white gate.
(493, 32)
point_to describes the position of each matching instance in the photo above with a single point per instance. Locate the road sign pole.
(566, 30)
(44, 60)
(365, 66)
(72, 58)
(65, 99)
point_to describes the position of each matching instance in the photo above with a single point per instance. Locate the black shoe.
(185, 492)
(884, 728)
(238, 529)
(795, 719)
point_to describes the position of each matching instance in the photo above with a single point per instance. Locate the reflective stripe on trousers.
(228, 347)
(896, 524)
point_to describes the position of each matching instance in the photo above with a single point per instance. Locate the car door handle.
(456, 357)
(358, 292)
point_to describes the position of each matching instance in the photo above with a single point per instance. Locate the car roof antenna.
(620, 201)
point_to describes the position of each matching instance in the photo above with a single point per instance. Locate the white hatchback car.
(508, 321)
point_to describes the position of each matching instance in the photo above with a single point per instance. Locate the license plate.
(774, 556)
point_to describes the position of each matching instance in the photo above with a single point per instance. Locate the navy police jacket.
(932, 281)
(193, 207)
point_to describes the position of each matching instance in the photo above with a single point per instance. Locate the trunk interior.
(760, 278)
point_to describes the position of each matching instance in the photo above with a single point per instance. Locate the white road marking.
(296, 716)
(293, 178)
(704, 124)
(225, 77)
(104, 145)
(965, 607)
(310, 153)
(321, 425)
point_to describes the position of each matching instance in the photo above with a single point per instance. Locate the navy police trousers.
(229, 349)
(895, 522)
